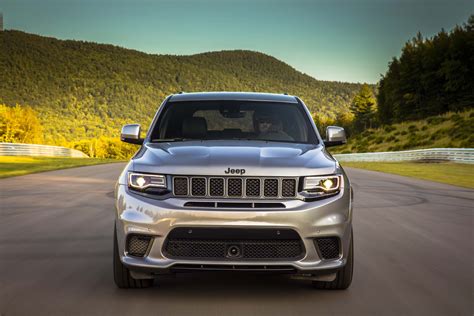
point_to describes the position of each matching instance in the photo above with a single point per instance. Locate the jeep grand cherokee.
(233, 181)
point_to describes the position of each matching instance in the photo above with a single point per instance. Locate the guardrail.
(459, 155)
(16, 149)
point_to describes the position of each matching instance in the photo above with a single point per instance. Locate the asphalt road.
(413, 255)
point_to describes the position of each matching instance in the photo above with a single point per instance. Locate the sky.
(337, 40)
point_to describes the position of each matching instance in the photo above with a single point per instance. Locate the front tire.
(343, 277)
(122, 276)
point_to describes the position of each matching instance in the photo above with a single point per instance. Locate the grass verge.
(20, 165)
(451, 173)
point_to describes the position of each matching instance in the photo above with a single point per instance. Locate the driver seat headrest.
(194, 127)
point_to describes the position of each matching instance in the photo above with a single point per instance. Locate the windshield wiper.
(169, 140)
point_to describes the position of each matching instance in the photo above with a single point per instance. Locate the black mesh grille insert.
(288, 187)
(252, 244)
(198, 186)
(271, 249)
(216, 187)
(180, 186)
(138, 245)
(218, 249)
(252, 187)
(328, 247)
(270, 188)
(234, 187)
(183, 248)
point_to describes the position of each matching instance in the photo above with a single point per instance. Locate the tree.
(20, 125)
(364, 108)
(432, 76)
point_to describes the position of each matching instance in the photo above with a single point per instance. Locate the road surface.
(413, 255)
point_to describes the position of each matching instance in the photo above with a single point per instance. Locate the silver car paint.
(258, 158)
(327, 217)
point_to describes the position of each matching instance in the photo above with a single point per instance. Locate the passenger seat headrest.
(194, 127)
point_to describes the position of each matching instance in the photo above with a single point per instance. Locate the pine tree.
(364, 108)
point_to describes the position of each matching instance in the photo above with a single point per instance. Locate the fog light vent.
(137, 245)
(328, 247)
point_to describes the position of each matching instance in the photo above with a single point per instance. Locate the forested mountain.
(432, 76)
(83, 90)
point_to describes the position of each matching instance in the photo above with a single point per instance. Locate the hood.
(215, 158)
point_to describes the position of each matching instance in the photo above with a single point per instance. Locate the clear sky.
(343, 40)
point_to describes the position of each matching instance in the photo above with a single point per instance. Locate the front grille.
(270, 187)
(234, 187)
(180, 186)
(216, 187)
(288, 187)
(216, 244)
(252, 187)
(138, 245)
(198, 186)
(328, 247)
(242, 187)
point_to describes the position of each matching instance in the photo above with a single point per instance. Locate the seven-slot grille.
(233, 187)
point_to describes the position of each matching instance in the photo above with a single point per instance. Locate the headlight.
(322, 186)
(141, 181)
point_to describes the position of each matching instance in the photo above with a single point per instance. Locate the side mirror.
(335, 136)
(131, 134)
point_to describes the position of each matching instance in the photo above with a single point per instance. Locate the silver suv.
(237, 182)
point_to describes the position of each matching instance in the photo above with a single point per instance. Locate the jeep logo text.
(235, 171)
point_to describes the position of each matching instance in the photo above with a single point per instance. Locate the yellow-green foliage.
(104, 147)
(447, 130)
(19, 125)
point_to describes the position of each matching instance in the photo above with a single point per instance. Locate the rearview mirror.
(131, 134)
(335, 136)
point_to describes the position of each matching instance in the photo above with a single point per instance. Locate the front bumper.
(137, 214)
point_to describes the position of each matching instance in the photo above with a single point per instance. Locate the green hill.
(442, 131)
(84, 90)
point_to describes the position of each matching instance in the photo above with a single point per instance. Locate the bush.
(435, 120)
(379, 140)
(456, 117)
(105, 147)
(389, 128)
(20, 124)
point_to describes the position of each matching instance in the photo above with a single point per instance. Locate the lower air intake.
(233, 244)
(328, 247)
(137, 245)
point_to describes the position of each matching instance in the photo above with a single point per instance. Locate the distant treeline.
(432, 76)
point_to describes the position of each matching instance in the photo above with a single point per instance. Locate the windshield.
(214, 120)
